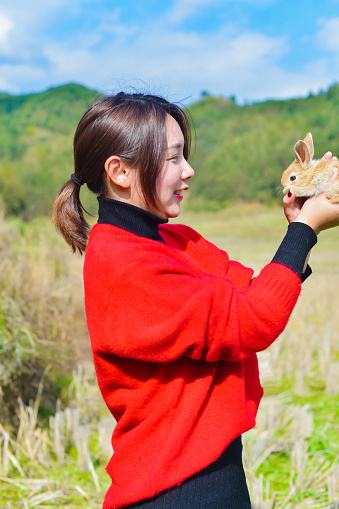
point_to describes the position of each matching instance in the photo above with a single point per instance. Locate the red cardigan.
(174, 329)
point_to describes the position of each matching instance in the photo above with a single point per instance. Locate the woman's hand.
(292, 206)
(317, 211)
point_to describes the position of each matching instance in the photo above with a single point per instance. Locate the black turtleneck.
(130, 218)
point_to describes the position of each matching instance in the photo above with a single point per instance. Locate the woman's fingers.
(334, 176)
(292, 205)
(328, 156)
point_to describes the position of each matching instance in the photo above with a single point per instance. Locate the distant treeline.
(239, 155)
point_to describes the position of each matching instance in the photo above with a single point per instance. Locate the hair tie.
(76, 180)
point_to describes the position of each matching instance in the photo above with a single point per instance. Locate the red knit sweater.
(174, 329)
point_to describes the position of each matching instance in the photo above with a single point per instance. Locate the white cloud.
(6, 26)
(179, 61)
(274, 82)
(11, 77)
(185, 9)
(36, 12)
(328, 35)
(26, 25)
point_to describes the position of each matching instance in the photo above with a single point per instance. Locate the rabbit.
(307, 176)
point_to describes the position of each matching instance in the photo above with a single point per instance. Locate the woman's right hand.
(318, 212)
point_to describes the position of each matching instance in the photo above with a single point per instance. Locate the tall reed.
(35, 314)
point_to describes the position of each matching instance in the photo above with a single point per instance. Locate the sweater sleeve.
(160, 309)
(293, 250)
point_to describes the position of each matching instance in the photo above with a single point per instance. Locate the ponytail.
(68, 217)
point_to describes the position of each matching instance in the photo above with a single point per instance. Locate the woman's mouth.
(179, 195)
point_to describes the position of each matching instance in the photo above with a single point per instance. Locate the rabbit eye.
(292, 178)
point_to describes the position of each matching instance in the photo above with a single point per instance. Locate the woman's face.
(172, 180)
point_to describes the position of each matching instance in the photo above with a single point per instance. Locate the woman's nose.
(187, 172)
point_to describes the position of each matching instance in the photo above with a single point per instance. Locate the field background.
(290, 457)
(54, 429)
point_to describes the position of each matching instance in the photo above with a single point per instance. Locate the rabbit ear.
(309, 142)
(304, 150)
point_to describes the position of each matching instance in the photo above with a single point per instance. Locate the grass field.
(291, 457)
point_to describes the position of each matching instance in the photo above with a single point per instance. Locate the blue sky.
(250, 49)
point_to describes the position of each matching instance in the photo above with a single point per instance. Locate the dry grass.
(35, 312)
(72, 442)
(33, 462)
(286, 429)
(307, 353)
(305, 358)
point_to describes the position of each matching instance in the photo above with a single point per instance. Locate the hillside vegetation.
(240, 151)
(36, 136)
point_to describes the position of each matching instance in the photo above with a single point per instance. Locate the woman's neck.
(130, 218)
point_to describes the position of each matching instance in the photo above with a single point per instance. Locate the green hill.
(36, 136)
(240, 152)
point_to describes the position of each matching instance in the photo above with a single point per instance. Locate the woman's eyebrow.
(176, 145)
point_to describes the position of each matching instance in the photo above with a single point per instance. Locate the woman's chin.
(174, 212)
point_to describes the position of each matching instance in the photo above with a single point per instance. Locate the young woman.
(174, 324)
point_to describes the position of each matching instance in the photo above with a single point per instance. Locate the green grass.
(66, 478)
(323, 442)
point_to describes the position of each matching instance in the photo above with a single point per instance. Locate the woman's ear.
(118, 171)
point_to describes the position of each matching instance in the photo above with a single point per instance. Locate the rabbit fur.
(307, 176)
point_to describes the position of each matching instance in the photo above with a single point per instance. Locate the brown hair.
(131, 126)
